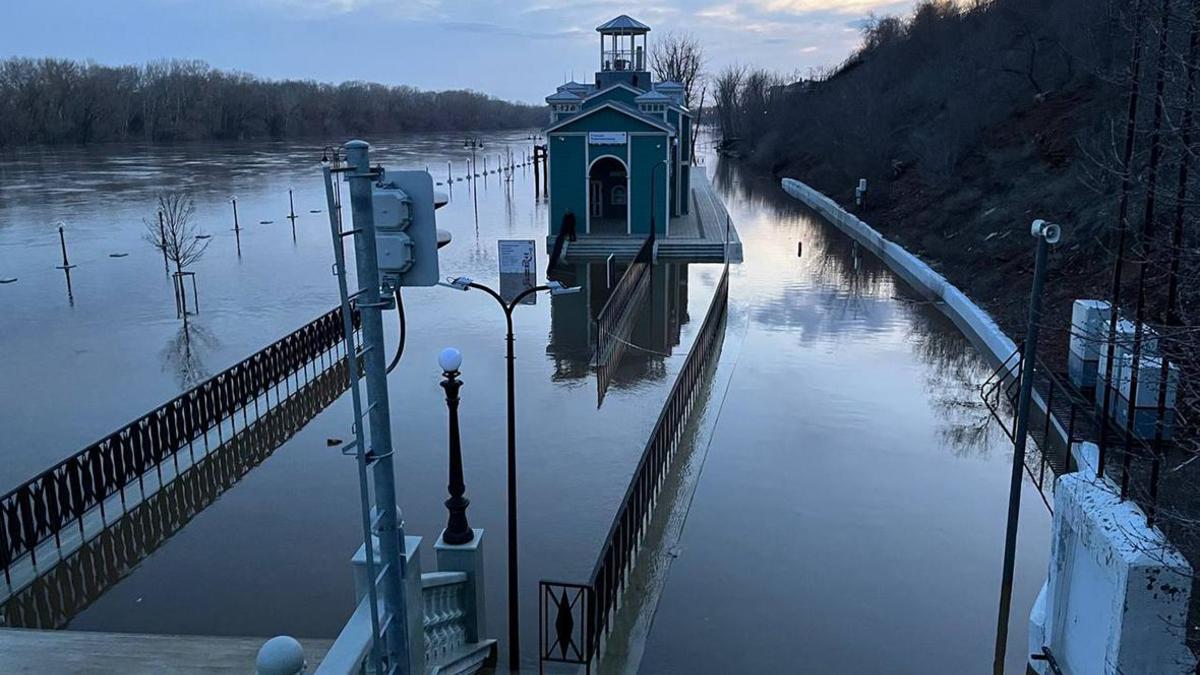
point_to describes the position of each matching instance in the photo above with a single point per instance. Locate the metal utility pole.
(237, 229)
(1135, 67)
(385, 522)
(474, 143)
(1046, 234)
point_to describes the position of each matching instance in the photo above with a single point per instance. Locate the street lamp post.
(458, 530)
(555, 288)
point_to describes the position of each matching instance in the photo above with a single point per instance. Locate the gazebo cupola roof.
(623, 25)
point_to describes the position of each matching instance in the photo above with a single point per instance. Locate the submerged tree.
(175, 234)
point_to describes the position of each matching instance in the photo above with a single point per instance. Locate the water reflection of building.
(653, 333)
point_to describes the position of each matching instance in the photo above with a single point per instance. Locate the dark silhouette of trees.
(921, 90)
(63, 101)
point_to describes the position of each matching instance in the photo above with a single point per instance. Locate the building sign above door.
(606, 137)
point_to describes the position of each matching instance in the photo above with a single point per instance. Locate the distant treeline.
(65, 101)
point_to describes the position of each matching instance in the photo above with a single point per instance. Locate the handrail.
(36, 511)
(614, 315)
(350, 648)
(1075, 420)
(621, 543)
(65, 587)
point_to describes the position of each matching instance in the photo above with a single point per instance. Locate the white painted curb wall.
(971, 318)
(1106, 538)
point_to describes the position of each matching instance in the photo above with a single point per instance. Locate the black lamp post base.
(457, 531)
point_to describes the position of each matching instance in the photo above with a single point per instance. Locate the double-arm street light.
(555, 288)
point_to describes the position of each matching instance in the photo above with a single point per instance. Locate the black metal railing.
(1048, 657)
(59, 498)
(1061, 416)
(61, 592)
(620, 546)
(614, 321)
(569, 638)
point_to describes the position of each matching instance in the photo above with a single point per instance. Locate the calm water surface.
(850, 513)
(851, 505)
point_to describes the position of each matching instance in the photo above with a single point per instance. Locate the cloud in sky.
(517, 49)
(839, 6)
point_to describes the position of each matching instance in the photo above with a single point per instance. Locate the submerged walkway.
(697, 236)
(850, 513)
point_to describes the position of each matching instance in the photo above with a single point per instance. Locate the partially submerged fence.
(55, 597)
(615, 319)
(581, 614)
(1060, 417)
(51, 511)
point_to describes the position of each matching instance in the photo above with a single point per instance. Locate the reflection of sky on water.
(852, 444)
(850, 514)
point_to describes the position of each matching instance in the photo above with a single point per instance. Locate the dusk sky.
(515, 49)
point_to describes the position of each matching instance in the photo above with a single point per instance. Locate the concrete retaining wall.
(970, 318)
(1117, 594)
(1116, 600)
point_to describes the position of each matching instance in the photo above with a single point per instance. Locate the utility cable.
(403, 332)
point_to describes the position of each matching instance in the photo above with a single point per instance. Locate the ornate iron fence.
(620, 546)
(613, 322)
(55, 597)
(42, 508)
(569, 639)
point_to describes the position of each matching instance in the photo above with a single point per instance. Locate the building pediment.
(630, 120)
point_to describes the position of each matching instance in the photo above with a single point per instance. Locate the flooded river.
(850, 508)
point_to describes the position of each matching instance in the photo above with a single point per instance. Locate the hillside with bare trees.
(48, 101)
(969, 121)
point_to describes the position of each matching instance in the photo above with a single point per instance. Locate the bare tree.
(174, 233)
(728, 89)
(678, 57)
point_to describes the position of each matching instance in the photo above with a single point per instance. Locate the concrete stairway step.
(470, 658)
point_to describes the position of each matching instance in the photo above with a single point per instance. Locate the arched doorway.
(608, 197)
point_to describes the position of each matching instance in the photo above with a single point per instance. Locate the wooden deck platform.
(698, 236)
(83, 652)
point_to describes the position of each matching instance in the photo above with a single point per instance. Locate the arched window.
(618, 195)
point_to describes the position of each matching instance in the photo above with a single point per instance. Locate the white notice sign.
(517, 256)
(518, 269)
(606, 137)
